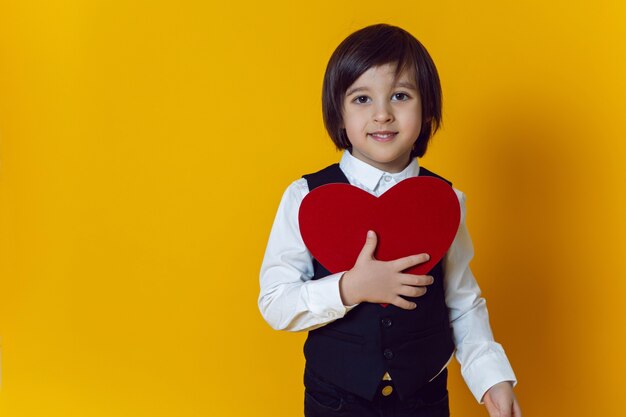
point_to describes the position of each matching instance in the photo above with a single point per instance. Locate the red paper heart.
(418, 215)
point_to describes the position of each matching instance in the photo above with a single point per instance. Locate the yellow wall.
(132, 227)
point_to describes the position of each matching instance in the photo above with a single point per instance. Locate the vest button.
(387, 390)
(386, 322)
(388, 354)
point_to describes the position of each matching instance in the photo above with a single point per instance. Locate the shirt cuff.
(325, 299)
(486, 372)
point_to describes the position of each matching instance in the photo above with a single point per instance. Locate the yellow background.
(144, 147)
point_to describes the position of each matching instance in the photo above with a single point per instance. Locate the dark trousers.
(323, 399)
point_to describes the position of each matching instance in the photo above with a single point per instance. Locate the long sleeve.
(483, 361)
(289, 299)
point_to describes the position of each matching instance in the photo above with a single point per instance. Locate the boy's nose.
(383, 114)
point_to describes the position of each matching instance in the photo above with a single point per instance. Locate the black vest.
(355, 351)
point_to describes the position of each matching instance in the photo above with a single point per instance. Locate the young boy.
(381, 104)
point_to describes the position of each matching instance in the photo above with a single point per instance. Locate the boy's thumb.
(370, 246)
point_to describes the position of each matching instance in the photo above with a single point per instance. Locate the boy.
(381, 104)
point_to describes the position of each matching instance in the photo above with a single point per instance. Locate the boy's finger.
(410, 291)
(517, 412)
(404, 304)
(416, 280)
(409, 261)
(369, 248)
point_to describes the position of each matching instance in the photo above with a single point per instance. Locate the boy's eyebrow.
(354, 90)
(407, 84)
(404, 84)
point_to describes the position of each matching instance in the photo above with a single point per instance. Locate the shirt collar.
(370, 176)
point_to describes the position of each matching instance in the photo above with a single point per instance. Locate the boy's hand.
(383, 282)
(501, 402)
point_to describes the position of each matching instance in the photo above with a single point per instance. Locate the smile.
(383, 136)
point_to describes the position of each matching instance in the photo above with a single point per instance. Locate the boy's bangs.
(406, 64)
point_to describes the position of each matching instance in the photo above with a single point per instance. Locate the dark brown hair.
(374, 46)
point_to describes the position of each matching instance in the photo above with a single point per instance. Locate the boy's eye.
(401, 96)
(361, 99)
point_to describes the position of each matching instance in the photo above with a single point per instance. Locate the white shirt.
(290, 300)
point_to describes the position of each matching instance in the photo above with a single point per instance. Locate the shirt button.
(386, 322)
(388, 354)
(387, 178)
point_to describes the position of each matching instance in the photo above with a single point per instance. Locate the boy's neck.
(392, 167)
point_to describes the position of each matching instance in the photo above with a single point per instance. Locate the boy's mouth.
(383, 136)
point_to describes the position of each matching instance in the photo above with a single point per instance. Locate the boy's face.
(383, 118)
